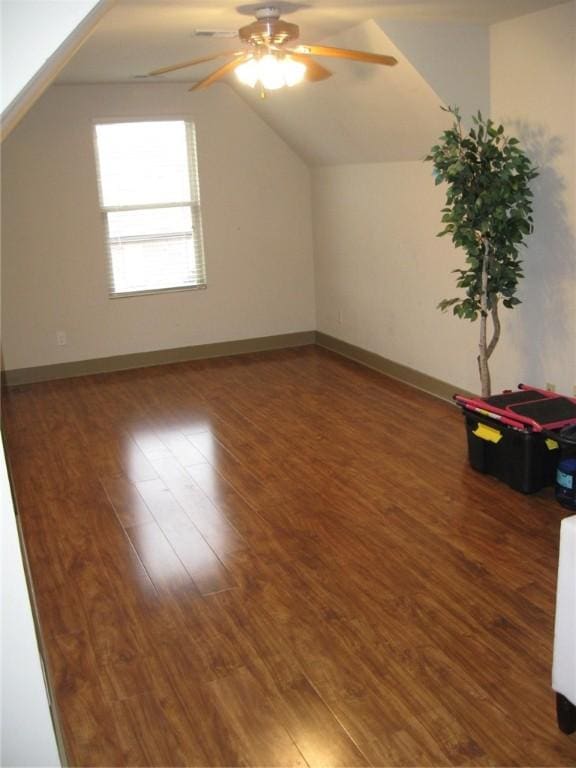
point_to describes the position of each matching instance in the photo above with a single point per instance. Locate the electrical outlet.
(340, 317)
(550, 387)
(61, 338)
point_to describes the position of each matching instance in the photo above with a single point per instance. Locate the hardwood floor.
(281, 560)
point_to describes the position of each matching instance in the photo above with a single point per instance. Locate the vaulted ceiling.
(139, 35)
(364, 113)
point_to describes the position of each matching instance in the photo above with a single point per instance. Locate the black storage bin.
(524, 460)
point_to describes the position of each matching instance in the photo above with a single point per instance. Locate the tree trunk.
(483, 346)
(495, 327)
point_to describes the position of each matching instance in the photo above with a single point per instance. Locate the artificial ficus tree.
(488, 214)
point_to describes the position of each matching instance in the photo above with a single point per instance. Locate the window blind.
(150, 201)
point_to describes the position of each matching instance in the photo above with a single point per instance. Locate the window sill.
(154, 291)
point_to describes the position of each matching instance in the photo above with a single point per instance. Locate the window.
(150, 201)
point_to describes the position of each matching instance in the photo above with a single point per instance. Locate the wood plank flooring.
(281, 560)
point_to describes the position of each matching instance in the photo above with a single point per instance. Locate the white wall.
(27, 731)
(257, 231)
(533, 63)
(378, 261)
(380, 270)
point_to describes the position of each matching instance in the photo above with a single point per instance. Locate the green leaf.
(488, 209)
(446, 303)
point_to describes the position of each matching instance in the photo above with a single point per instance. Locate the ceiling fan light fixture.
(271, 71)
(266, 60)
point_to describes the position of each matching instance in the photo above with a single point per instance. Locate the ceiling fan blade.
(314, 71)
(344, 53)
(192, 62)
(220, 72)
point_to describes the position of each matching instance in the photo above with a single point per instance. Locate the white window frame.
(194, 205)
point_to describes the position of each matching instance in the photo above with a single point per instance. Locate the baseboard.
(20, 376)
(414, 378)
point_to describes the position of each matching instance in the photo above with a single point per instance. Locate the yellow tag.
(484, 432)
(552, 445)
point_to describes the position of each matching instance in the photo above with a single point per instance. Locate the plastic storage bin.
(515, 436)
(566, 471)
(526, 461)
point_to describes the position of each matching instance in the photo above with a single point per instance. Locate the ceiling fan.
(267, 60)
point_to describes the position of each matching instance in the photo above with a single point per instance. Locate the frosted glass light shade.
(271, 71)
(247, 72)
(294, 71)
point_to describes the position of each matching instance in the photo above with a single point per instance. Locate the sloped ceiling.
(139, 35)
(454, 59)
(364, 113)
